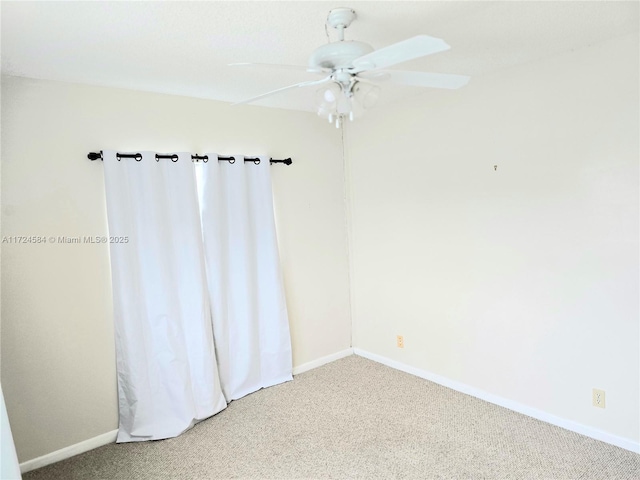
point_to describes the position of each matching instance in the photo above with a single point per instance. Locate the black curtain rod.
(174, 158)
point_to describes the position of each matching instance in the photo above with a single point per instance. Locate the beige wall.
(520, 281)
(58, 372)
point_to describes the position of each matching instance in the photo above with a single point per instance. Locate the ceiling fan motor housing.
(338, 55)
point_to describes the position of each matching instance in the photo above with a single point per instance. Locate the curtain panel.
(251, 327)
(193, 297)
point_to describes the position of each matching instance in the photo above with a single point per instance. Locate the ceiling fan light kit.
(353, 70)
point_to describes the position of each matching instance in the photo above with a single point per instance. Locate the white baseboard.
(322, 361)
(110, 437)
(585, 430)
(70, 451)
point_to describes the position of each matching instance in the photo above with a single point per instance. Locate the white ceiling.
(183, 48)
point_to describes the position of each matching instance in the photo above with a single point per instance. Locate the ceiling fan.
(353, 70)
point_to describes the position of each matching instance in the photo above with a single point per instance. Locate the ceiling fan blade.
(417, 79)
(403, 51)
(300, 68)
(273, 92)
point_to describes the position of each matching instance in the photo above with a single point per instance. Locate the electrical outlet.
(400, 341)
(598, 398)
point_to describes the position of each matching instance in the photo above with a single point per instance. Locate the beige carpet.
(355, 418)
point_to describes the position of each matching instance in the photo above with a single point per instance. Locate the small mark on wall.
(495, 167)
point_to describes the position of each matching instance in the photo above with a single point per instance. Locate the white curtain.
(167, 372)
(250, 323)
(199, 305)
